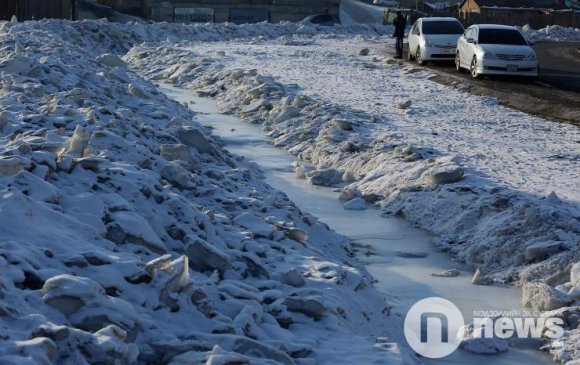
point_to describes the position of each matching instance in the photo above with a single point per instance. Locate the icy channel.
(404, 280)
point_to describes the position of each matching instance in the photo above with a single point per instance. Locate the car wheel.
(458, 63)
(473, 68)
(418, 57)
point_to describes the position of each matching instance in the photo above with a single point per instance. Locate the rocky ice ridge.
(510, 236)
(129, 236)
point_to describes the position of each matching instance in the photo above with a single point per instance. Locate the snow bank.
(551, 33)
(128, 235)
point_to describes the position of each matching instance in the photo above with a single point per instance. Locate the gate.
(35, 9)
(39, 9)
(7, 9)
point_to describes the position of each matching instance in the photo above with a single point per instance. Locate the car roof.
(495, 26)
(439, 19)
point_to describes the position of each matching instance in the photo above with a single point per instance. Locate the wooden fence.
(35, 9)
(535, 20)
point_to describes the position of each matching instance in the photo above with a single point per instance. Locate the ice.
(356, 204)
(389, 238)
(119, 235)
(111, 60)
(474, 340)
(540, 296)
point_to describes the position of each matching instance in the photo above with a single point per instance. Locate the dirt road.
(552, 96)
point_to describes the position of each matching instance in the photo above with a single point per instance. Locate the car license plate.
(512, 68)
(450, 51)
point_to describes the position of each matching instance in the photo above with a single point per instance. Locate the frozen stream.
(404, 280)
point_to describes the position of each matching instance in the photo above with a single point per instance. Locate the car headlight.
(488, 56)
(531, 57)
(428, 43)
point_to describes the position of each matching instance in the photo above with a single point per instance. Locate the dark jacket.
(400, 24)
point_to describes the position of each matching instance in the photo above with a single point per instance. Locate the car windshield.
(448, 27)
(501, 36)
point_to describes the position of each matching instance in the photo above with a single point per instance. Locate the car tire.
(418, 57)
(473, 68)
(458, 63)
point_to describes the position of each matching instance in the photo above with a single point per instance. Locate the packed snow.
(129, 235)
(552, 33)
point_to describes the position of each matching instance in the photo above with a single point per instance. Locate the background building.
(236, 11)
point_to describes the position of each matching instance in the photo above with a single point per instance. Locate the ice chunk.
(293, 278)
(447, 273)
(111, 60)
(178, 152)
(355, 204)
(293, 233)
(540, 296)
(575, 274)
(10, 166)
(473, 340)
(324, 177)
(203, 256)
(254, 224)
(542, 250)
(447, 174)
(35, 187)
(138, 231)
(69, 293)
(176, 175)
(196, 139)
(76, 145)
(311, 307)
(136, 91)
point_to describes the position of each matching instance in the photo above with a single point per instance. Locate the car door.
(466, 50)
(462, 45)
(414, 38)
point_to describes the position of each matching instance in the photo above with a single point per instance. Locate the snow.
(480, 176)
(129, 234)
(407, 276)
(455, 166)
(551, 33)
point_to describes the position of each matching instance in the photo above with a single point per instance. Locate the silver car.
(489, 49)
(434, 39)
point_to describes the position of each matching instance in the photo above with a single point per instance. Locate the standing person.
(400, 24)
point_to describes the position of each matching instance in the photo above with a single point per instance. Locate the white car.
(487, 49)
(434, 39)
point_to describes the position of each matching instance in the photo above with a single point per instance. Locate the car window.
(470, 33)
(442, 27)
(501, 36)
(415, 29)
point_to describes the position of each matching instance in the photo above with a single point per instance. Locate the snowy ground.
(497, 186)
(128, 235)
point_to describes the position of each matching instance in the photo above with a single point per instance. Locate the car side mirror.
(471, 40)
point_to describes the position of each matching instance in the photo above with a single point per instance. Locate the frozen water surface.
(404, 279)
